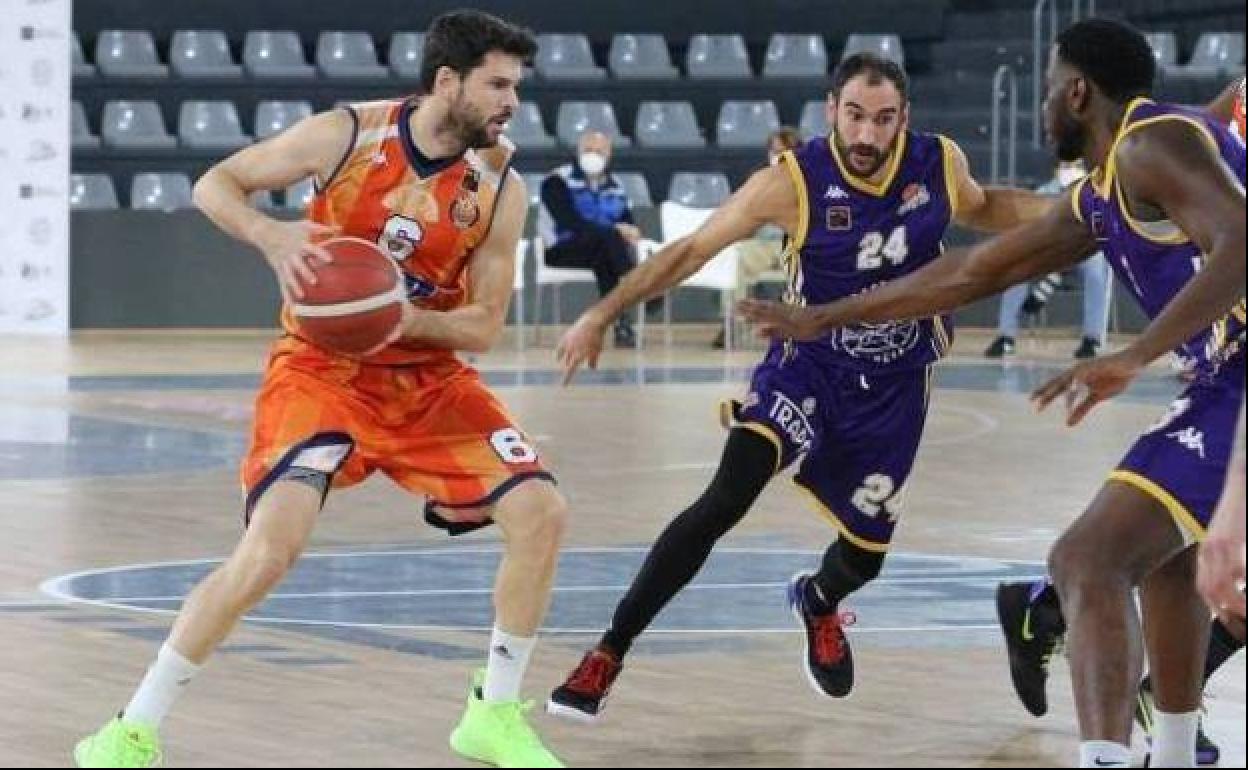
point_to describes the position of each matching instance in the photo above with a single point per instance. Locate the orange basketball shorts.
(434, 428)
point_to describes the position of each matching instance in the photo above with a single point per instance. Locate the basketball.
(356, 302)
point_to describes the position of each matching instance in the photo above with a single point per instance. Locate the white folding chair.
(517, 287)
(720, 273)
(555, 277)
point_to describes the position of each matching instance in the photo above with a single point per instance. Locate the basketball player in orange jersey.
(429, 179)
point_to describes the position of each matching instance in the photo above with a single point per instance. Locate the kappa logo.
(835, 193)
(1190, 438)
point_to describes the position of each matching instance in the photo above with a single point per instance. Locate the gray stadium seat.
(405, 54)
(796, 56)
(78, 59)
(202, 53)
(575, 118)
(274, 117)
(640, 56)
(275, 54)
(1217, 53)
(717, 56)
(667, 124)
(348, 55)
(210, 125)
(888, 46)
(134, 125)
(746, 124)
(128, 53)
(566, 57)
(814, 121)
(1165, 49)
(80, 130)
(299, 195)
(636, 188)
(699, 190)
(92, 192)
(526, 128)
(160, 192)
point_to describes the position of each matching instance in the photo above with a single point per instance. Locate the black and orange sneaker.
(1031, 620)
(583, 696)
(829, 660)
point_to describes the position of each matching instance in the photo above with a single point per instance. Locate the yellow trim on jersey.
(1240, 311)
(942, 334)
(951, 178)
(1175, 236)
(766, 432)
(803, 200)
(862, 185)
(1149, 487)
(825, 512)
(1076, 191)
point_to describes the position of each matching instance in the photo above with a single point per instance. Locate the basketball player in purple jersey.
(865, 206)
(1166, 205)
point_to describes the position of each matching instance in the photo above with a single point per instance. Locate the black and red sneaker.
(583, 696)
(829, 660)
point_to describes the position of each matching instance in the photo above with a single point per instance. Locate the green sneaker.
(119, 744)
(498, 733)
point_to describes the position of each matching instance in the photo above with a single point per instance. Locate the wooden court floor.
(118, 488)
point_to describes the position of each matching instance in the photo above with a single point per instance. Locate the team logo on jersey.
(464, 210)
(878, 343)
(914, 196)
(839, 219)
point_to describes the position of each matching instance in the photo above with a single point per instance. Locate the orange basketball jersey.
(1238, 123)
(427, 215)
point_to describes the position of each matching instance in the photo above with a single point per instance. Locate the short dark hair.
(1113, 55)
(461, 39)
(876, 68)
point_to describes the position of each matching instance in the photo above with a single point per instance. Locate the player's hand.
(581, 344)
(292, 251)
(1088, 384)
(777, 320)
(1220, 576)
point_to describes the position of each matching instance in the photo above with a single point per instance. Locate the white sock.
(168, 676)
(1104, 754)
(509, 658)
(1174, 739)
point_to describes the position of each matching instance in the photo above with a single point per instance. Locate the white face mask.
(592, 163)
(1068, 175)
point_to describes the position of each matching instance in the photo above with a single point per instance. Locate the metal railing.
(1040, 44)
(1005, 78)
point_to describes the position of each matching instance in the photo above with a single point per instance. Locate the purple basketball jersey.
(1155, 260)
(855, 236)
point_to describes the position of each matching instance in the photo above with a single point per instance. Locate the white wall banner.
(35, 79)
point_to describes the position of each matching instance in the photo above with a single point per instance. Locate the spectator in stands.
(587, 221)
(761, 254)
(1031, 299)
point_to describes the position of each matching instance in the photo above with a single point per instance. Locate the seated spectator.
(762, 253)
(587, 221)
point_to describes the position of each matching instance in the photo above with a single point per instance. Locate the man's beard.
(878, 158)
(468, 127)
(1068, 139)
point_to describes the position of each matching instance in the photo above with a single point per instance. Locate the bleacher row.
(353, 54)
(217, 125)
(171, 191)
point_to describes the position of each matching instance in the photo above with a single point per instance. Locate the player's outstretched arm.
(313, 147)
(1170, 170)
(768, 197)
(476, 326)
(1054, 242)
(991, 209)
